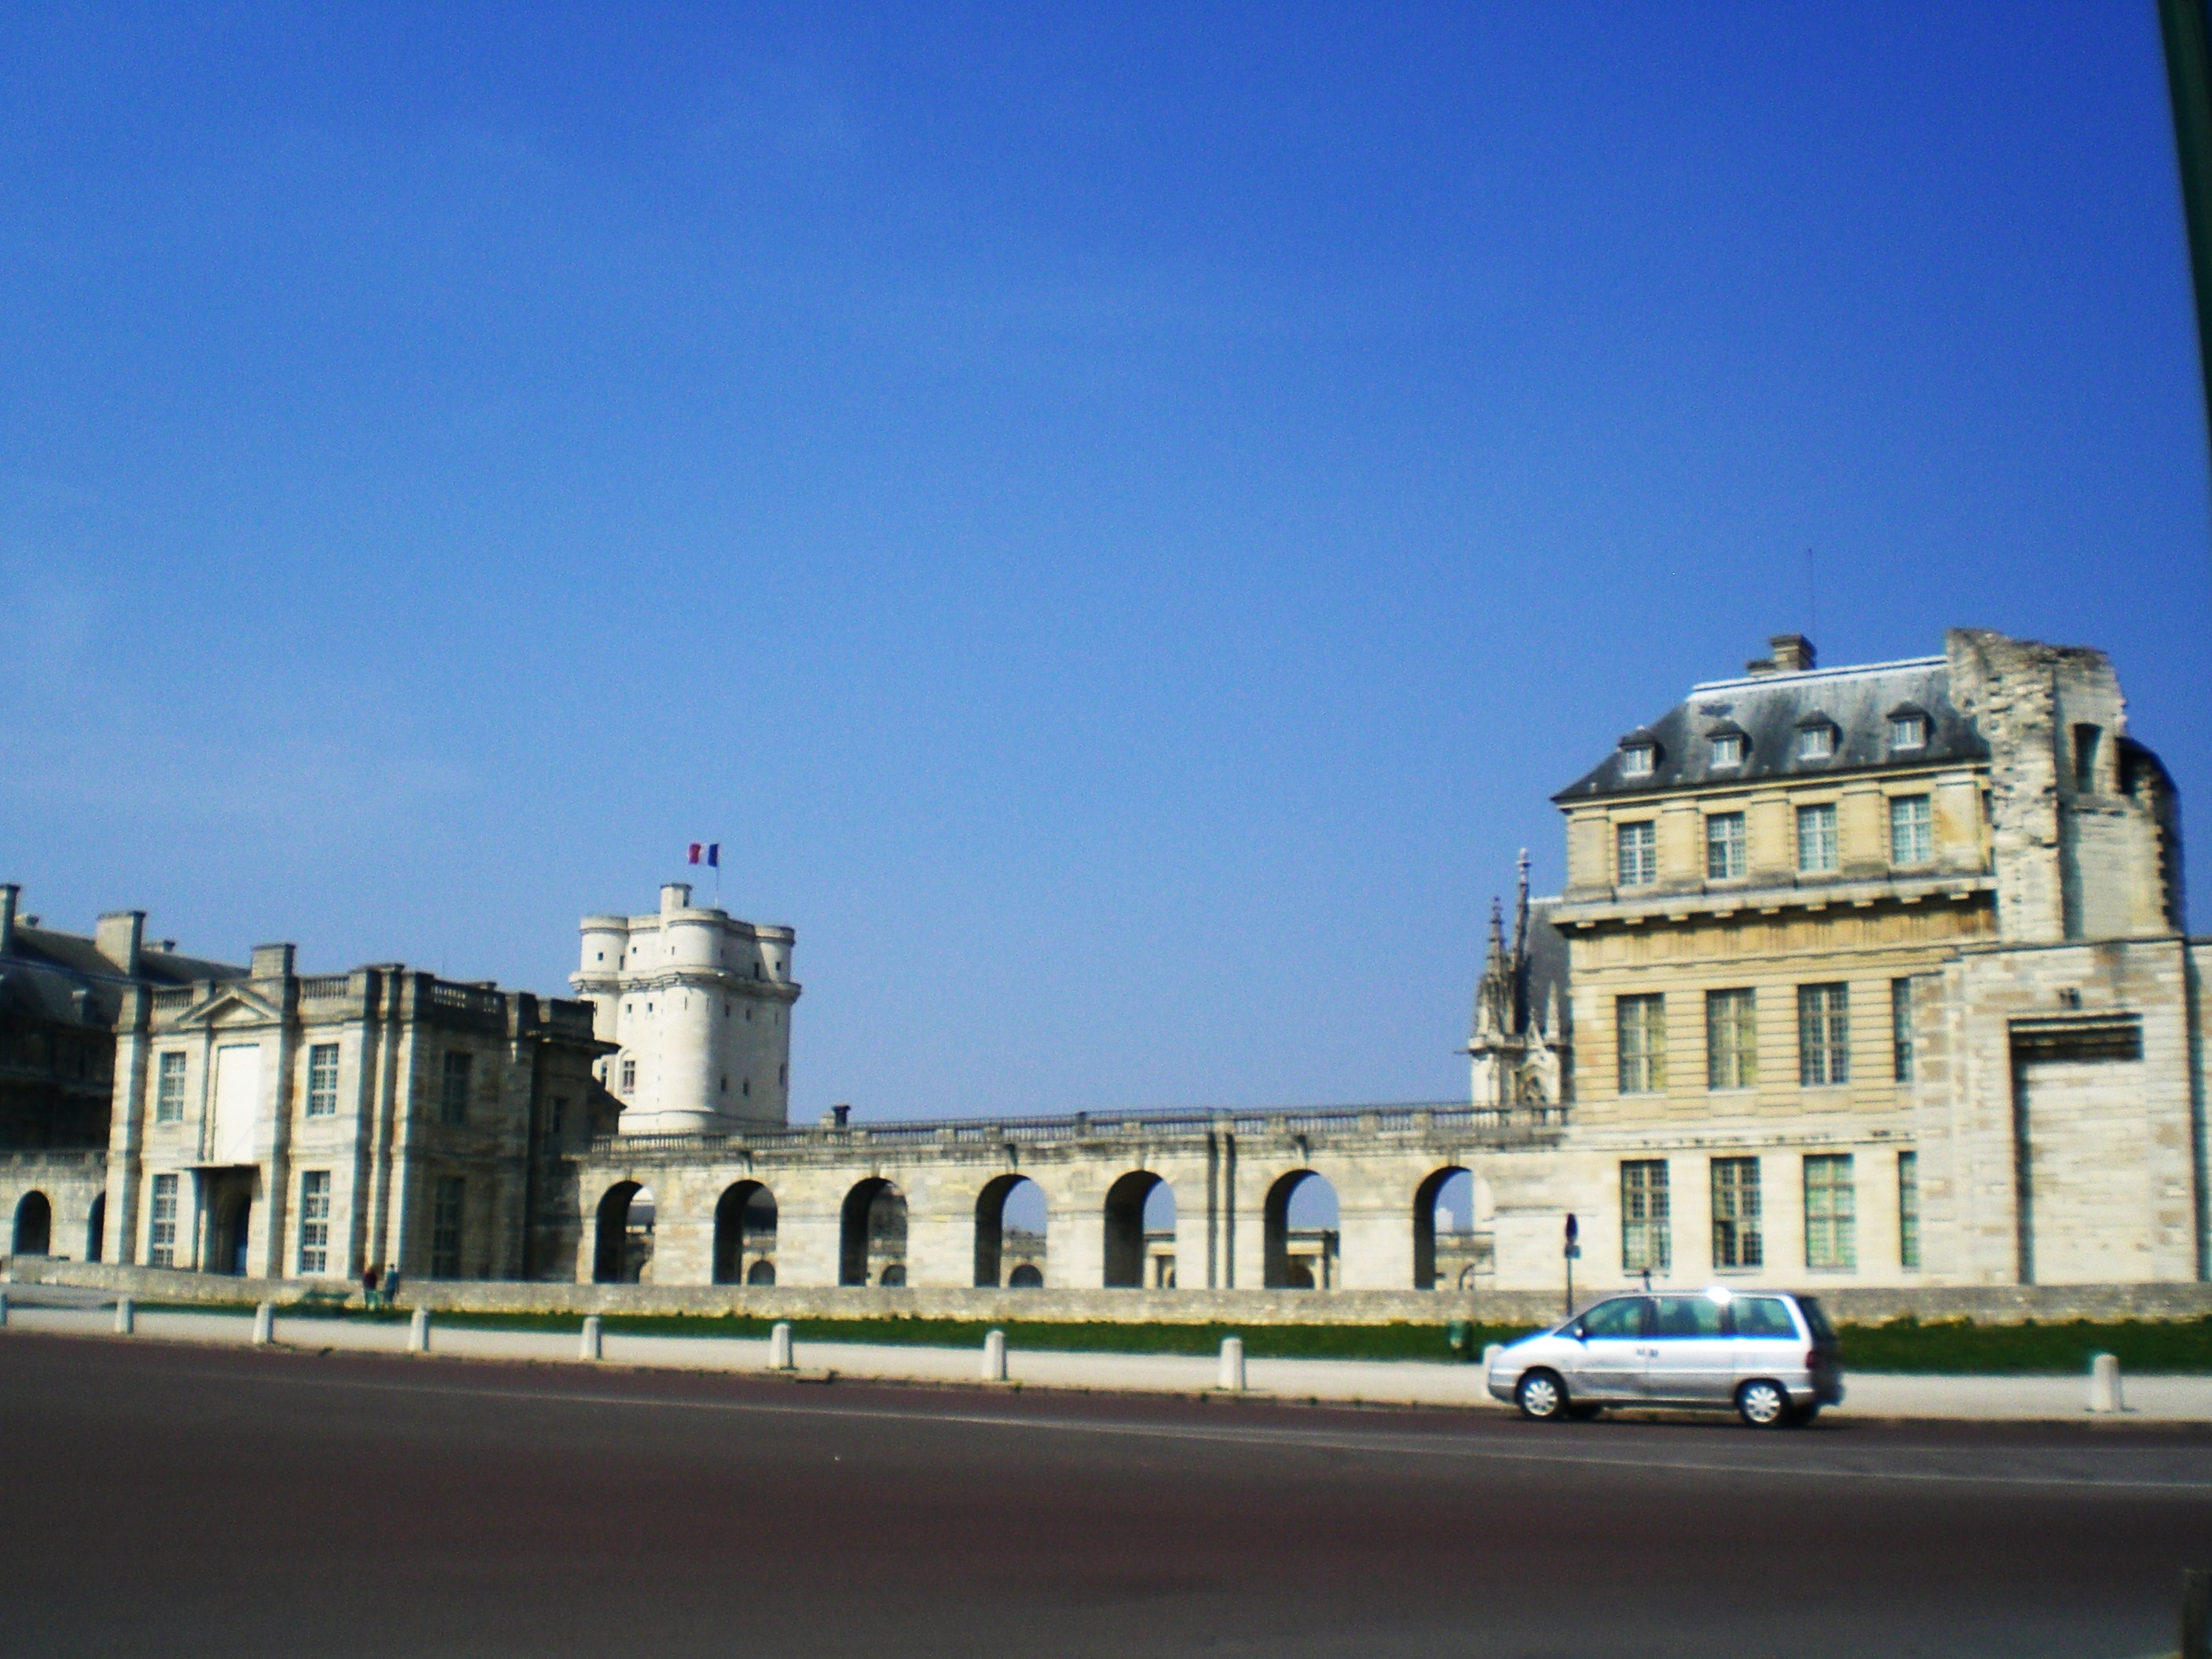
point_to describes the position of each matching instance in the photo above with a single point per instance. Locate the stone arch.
(1025, 1278)
(872, 1233)
(991, 1223)
(1296, 1256)
(610, 1241)
(1426, 1197)
(762, 1272)
(745, 1225)
(35, 1225)
(95, 1229)
(1126, 1200)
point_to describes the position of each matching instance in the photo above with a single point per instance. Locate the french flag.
(712, 852)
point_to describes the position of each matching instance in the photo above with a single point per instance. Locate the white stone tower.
(700, 1004)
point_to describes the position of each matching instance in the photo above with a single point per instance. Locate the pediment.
(233, 1004)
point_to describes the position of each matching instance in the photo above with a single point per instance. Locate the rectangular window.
(1907, 731)
(1816, 840)
(1736, 1239)
(629, 1076)
(446, 1207)
(1731, 1040)
(314, 1220)
(1639, 845)
(2085, 759)
(1641, 1041)
(1727, 751)
(323, 1080)
(453, 1097)
(1824, 1034)
(1646, 1239)
(1724, 846)
(1912, 830)
(169, 1091)
(1831, 1213)
(1901, 1056)
(1816, 742)
(558, 1116)
(1908, 1211)
(161, 1238)
(1635, 761)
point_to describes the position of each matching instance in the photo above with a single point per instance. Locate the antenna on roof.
(1811, 599)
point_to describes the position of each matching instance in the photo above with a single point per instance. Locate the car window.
(1763, 1315)
(1817, 1323)
(1623, 1316)
(1687, 1315)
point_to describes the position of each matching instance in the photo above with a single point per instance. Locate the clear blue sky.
(1116, 519)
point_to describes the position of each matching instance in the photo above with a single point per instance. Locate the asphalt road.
(184, 1500)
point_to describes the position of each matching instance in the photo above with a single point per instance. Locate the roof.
(43, 971)
(1769, 710)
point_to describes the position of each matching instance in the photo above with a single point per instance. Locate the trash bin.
(1459, 1335)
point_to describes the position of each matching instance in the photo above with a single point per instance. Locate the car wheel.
(1541, 1396)
(1763, 1404)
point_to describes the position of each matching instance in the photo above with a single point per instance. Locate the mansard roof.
(44, 970)
(1768, 710)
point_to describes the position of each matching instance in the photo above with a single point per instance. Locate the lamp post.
(1572, 1253)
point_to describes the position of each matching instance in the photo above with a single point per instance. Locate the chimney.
(675, 895)
(273, 961)
(837, 1117)
(9, 892)
(1793, 652)
(119, 936)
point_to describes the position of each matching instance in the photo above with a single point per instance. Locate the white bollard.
(2104, 1384)
(589, 1348)
(1232, 1364)
(126, 1319)
(418, 1332)
(994, 1356)
(779, 1346)
(264, 1324)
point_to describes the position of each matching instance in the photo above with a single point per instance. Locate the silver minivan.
(1770, 1354)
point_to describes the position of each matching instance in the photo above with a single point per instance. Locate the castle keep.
(1864, 977)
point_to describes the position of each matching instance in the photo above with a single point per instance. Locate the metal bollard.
(2104, 1384)
(126, 1316)
(264, 1324)
(779, 1346)
(994, 1356)
(1232, 1364)
(3, 1311)
(418, 1332)
(589, 1348)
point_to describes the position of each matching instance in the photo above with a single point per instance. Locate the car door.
(1691, 1359)
(1609, 1352)
(1766, 1340)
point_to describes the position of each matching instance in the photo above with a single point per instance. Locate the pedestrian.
(368, 1275)
(392, 1285)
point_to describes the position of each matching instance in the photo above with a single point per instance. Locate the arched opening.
(1011, 1223)
(761, 1272)
(95, 1230)
(745, 1234)
(873, 1231)
(1025, 1278)
(34, 1225)
(1140, 1219)
(1443, 1205)
(237, 1227)
(893, 1277)
(1300, 1240)
(610, 1252)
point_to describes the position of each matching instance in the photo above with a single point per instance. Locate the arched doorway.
(872, 1234)
(34, 1225)
(761, 1272)
(745, 1234)
(237, 1228)
(1141, 1215)
(1300, 1239)
(1443, 1203)
(1025, 1278)
(1011, 1225)
(611, 1262)
(95, 1230)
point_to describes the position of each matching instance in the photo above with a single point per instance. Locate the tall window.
(1831, 1212)
(169, 1091)
(1731, 1040)
(1736, 1239)
(556, 1117)
(1903, 1060)
(1725, 847)
(1646, 1238)
(1824, 1034)
(1816, 840)
(1912, 830)
(1638, 848)
(1642, 1044)
(314, 1220)
(629, 1076)
(2085, 759)
(445, 1227)
(453, 1097)
(161, 1238)
(323, 1080)
(1908, 1211)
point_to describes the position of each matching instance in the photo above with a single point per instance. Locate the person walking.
(368, 1277)
(392, 1285)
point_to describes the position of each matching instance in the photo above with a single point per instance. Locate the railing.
(470, 998)
(172, 1002)
(322, 987)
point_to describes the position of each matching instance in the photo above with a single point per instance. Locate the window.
(161, 1237)
(629, 1076)
(1737, 1241)
(1623, 1316)
(1824, 1034)
(1830, 1214)
(1646, 1240)
(1907, 730)
(1816, 742)
(1908, 1211)
(1638, 848)
(1635, 761)
(445, 1227)
(746, 1085)
(1763, 1315)
(1642, 1044)
(1687, 1315)
(1816, 840)
(1724, 851)
(1912, 830)
(1727, 750)
(323, 1081)
(314, 1220)
(453, 1097)
(2085, 759)
(169, 1092)
(1731, 1040)
(1900, 1030)
(557, 1115)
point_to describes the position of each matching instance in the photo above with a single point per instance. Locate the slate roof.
(40, 975)
(1770, 710)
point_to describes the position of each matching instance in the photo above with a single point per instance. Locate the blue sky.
(1116, 519)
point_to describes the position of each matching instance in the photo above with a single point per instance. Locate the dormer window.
(1728, 748)
(1816, 741)
(1908, 728)
(1635, 761)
